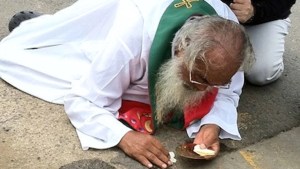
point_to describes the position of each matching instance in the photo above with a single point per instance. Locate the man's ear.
(187, 41)
(178, 53)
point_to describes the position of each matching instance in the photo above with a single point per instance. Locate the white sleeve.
(96, 127)
(93, 104)
(223, 112)
(94, 101)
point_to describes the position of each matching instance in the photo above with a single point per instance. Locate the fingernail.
(150, 165)
(170, 162)
(164, 166)
(202, 146)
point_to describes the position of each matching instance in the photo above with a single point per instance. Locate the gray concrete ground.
(37, 134)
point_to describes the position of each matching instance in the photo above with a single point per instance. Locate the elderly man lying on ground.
(124, 67)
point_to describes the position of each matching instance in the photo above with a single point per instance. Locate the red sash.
(139, 117)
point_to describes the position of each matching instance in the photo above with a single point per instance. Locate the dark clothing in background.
(269, 10)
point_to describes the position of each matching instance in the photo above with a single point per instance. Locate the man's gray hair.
(202, 33)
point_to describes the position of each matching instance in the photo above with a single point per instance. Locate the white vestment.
(92, 55)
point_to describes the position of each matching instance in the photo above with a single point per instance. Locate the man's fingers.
(216, 147)
(162, 156)
(145, 149)
(160, 151)
(143, 160)
(159, 156)
(241, 15)
(160, 147)
(241, 1)
(238, 7)
(238, 13)
(155, 160)
(149, 159)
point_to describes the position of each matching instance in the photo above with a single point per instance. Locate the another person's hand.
(208, 137)
(145, 148)
(243, 9)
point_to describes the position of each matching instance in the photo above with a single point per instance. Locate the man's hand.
(145, 149)
(243, 9)
(208, 137)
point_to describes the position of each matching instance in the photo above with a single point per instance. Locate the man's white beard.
(171, 95)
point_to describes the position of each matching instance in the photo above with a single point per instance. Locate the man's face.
(178, 87)
(215, 71)
(171, 93)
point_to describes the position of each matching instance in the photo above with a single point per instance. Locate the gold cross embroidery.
(187, 3)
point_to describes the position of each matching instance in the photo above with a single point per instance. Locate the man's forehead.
(217, 67)
(217, 58)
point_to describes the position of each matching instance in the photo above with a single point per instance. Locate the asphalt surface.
(37, 134)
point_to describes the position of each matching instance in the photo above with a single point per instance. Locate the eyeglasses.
(225, 86)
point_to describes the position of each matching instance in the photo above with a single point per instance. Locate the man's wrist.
(216, 127)
(250, 19)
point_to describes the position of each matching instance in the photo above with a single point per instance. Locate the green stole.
(173, 18)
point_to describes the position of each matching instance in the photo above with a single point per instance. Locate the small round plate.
(186, 150)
